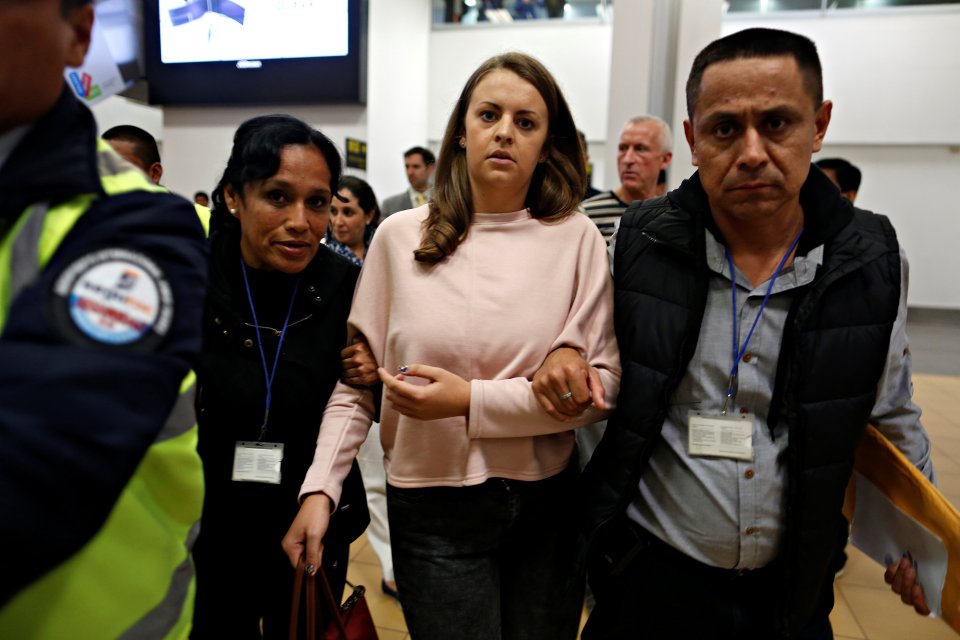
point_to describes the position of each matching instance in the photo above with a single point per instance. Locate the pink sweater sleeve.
(346, 422)
(350, 411)
(508, 408)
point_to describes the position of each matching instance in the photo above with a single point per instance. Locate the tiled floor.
(865, 606)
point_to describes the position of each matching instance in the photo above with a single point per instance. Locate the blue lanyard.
(263, 358)
(739, 351)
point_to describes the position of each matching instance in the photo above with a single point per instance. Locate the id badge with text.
(257, 462)
(720, 436)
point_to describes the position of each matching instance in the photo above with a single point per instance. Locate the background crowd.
(241, 356)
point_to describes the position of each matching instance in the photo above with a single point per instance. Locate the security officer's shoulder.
(131, 273)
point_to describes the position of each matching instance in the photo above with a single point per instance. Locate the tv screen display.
(113, 62)
(119, 21)
(255, 51)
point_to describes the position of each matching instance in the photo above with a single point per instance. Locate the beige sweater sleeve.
(350, 410)
(508, 408)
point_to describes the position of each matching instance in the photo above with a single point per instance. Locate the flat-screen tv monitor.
(120, 23)
(247, 52)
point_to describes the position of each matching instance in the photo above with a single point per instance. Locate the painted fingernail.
(403, 368)
(311, 569)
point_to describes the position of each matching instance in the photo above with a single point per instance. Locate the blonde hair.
(558, 183)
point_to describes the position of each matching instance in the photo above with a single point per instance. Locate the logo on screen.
(83, 85)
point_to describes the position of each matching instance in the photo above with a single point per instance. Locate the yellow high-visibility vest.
(134, 578)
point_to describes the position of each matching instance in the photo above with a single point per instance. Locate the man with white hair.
(643, 151)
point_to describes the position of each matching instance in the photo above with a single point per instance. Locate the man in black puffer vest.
(713, 501)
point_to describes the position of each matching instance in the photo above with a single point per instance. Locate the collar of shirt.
(802, 271)
(9, 141)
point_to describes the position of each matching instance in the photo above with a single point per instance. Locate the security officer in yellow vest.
(139, 148)
(102, 280)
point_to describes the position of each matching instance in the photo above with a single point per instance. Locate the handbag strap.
(332, 604)
(295, 599)
(312, 631)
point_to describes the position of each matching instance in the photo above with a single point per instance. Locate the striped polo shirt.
(604, 209)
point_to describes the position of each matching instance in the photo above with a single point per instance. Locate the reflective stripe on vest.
(204, 214)
(134, 578)
(24, 255)
(156, 623)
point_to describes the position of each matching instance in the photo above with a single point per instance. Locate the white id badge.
(257, 462)
(720, 436)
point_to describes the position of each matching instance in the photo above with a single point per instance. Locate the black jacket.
(77, 416)
(832, 356)
(231, 383)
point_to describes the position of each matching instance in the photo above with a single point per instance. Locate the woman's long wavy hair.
(558, 184)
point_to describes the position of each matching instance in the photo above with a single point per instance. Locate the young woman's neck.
(493, 200)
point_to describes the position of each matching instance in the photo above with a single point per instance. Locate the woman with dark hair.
(461, 301)
(353, 218)
(273, 329)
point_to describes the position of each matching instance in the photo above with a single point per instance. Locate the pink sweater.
(513, 291)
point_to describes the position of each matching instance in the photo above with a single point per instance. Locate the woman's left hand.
(446, 395)
(359, 365)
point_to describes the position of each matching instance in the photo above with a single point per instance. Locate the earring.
(233, 212)
(463, 142)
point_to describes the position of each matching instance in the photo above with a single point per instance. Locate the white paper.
(884, 532)
(99, 77)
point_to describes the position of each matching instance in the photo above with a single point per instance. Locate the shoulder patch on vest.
(113, 296)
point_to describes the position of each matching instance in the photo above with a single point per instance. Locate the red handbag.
(324, 619)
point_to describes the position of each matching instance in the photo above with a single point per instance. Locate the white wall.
(916, 187)
(196, 141)
(414, 76)
(630, 53)
(893, 75)
(577, 54)
(116, 110)
(893, 78)
(700, 24)
(397, 86)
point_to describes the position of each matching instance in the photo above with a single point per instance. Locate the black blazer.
(231, 383)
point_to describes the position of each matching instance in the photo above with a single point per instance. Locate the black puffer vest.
(231, 387)
(832, 356)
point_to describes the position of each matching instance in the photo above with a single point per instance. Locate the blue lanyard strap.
(268, 376)
(739, 351)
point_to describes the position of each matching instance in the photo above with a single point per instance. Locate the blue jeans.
(496, 560)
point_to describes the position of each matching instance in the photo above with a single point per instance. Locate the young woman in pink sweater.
(461, 300)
